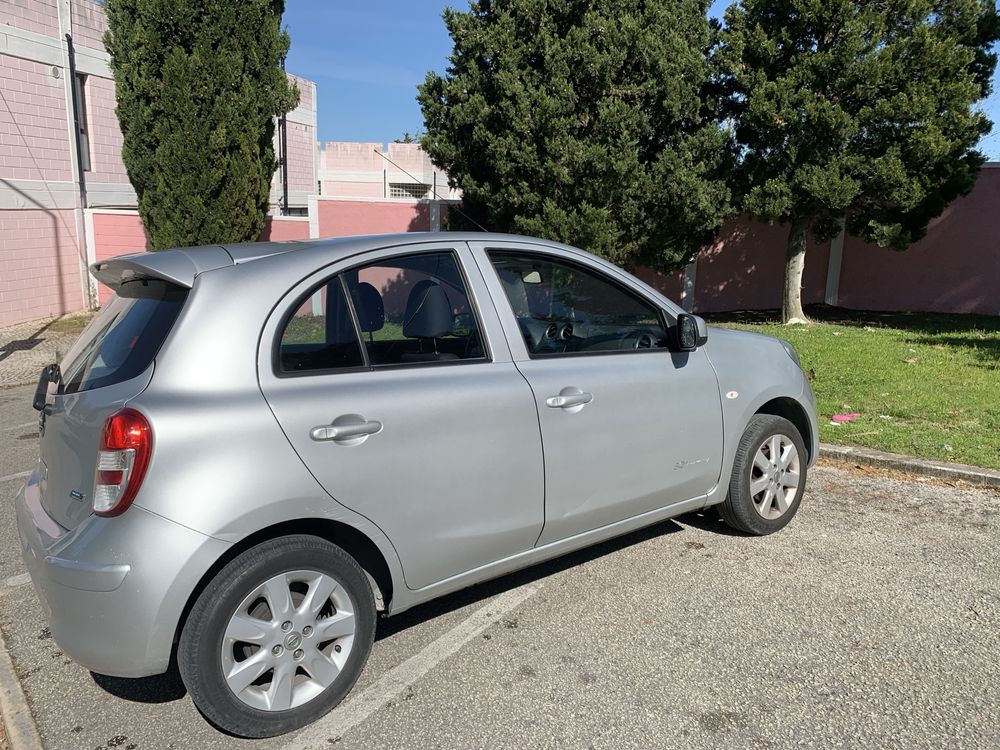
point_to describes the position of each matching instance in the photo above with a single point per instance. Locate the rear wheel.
(769, 477)
(278, 637)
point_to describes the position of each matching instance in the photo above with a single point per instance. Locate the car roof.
(182, 265)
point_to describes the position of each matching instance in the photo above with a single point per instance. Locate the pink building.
(370, 170)
(58, 187)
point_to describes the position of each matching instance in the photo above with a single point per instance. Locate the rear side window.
(123, 339)
(400, 311)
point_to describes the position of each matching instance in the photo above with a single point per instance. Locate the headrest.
(369, 306)
(428, 312)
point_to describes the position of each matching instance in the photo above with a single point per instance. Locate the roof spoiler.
(176, 266)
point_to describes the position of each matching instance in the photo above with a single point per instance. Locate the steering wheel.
(644, 339)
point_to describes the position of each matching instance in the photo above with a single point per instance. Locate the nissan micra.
(253, 450)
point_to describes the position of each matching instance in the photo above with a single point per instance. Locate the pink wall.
(351, 189)
(39, 265)
(39, 16)
(955, 268)
(88, 23)
(279, 229)
(744, 269)
(34, 140)
(345, 218)
(106, 140)
(301, 142)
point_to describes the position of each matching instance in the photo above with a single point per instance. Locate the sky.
(367, 60)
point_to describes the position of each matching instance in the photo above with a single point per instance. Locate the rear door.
(628, 426)
(399, 394)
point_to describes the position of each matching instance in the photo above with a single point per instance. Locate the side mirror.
(692, 332)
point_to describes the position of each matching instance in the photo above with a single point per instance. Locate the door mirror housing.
(692, 332)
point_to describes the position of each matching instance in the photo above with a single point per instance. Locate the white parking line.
(21, 426)
(12, 477)
(356, 709)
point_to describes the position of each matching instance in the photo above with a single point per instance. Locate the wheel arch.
(354, 542)
(792, 410)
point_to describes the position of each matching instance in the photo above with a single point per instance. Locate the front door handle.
(570, 399)
(348, 429)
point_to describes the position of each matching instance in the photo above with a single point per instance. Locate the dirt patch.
(878, 472)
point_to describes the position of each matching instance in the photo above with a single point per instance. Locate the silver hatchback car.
(254, 449)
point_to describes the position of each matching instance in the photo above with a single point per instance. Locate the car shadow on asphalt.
(168, 687)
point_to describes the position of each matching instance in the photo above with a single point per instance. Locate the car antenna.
(433, 189)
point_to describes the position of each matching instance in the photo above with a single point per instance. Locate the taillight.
(126, 446)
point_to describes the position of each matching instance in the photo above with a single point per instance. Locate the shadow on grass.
(978, 333)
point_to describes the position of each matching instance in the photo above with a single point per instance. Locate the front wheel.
(769, 477)
(278, 637)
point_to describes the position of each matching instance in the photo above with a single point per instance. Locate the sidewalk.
(28, 347)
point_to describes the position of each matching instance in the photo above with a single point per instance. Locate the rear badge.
(77, 495)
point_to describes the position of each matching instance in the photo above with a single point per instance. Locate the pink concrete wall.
(279, 229)
(351, 157)
(350, 189)
(34, 140)
(116, 234)
(346, 218)
(744, 269)
(307, 92)
(88, 23)
(106, 165)
(955, 268)
(39, 16)
(40, 262)
(301, 142)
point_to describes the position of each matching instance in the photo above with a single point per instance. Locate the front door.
(387, 388)
(628, 426)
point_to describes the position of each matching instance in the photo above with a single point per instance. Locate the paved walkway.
(28, 347)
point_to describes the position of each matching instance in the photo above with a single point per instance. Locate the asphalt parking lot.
(873, 620)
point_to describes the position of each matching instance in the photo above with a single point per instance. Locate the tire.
(232, 633)
(755, 512)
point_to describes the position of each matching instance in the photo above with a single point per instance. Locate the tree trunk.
(795, 263)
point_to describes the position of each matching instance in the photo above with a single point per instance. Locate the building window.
(408, 190)
(83, 138)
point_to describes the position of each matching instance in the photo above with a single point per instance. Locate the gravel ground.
(28, 347)
(873, 620)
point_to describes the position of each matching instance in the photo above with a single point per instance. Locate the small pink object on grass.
(845, 417)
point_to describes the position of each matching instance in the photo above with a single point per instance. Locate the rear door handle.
(569, 398)
(346, 428)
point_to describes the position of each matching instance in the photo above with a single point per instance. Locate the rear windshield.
(122, 340)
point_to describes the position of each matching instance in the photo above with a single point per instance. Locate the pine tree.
(583, 122)
(198, 85)
(855, 113)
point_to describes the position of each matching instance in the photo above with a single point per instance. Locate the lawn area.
(924, 384)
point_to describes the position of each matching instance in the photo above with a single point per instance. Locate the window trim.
(276, 370)
(600, 274)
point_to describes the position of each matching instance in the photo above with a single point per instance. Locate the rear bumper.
(113, 589)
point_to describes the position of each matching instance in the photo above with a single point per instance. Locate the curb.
(974, 475)
(22, 734)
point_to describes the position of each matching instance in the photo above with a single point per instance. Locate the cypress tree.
(198, 85)
(855, 113)
(583, 122)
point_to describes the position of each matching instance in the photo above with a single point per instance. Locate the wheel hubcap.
(288, 640)
(774, 476)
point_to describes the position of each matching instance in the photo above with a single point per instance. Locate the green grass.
(73, 323)
(924, 384)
